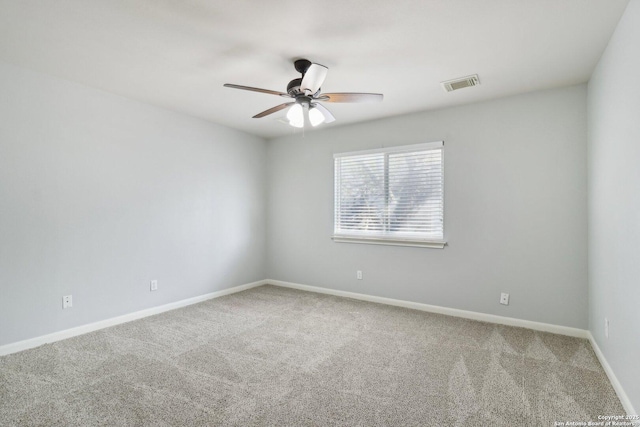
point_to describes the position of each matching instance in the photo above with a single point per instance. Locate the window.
(390, 196)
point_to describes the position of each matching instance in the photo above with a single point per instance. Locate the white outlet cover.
(504, 298)
(67, 301)
(154, 285)
(359, 274)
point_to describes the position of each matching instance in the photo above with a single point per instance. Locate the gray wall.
(614, 202)
(100, 194)
(515, 209)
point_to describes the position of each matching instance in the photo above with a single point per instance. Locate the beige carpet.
(280, 357)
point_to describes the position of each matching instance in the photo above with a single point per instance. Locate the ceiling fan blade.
(257, 89)
(328, 117)
(273, 110)
(313, 78)
(350, 97)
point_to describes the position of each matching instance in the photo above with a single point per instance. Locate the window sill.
(390, 242)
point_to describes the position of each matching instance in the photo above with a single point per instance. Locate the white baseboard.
(624, 399)
(68, 333)
(79, 330)
(538, 326)
(545, 327)
(483, 317)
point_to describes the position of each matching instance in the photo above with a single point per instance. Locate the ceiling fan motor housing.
(293, 88)
(301, 66)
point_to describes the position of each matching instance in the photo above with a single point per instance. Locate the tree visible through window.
(393, 194)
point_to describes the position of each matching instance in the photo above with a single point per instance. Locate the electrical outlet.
(606, 327)
(154, 285)
(67, 301)
(504, 298)
(359, 274)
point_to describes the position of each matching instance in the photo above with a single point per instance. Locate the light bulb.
(296, 116)
(315, 116)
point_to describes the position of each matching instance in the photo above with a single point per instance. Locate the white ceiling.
(178, 53)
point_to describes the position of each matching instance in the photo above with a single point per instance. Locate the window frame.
(388, 240)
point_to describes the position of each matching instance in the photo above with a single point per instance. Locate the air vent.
(460, 83)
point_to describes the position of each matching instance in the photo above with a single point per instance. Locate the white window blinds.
(393, 195)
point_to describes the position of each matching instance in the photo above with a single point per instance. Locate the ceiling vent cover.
(460, 83)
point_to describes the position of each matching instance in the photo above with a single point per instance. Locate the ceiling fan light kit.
(306, 95)
(295, 115)
(315, 116)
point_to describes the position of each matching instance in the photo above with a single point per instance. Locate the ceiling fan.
(306, 95)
